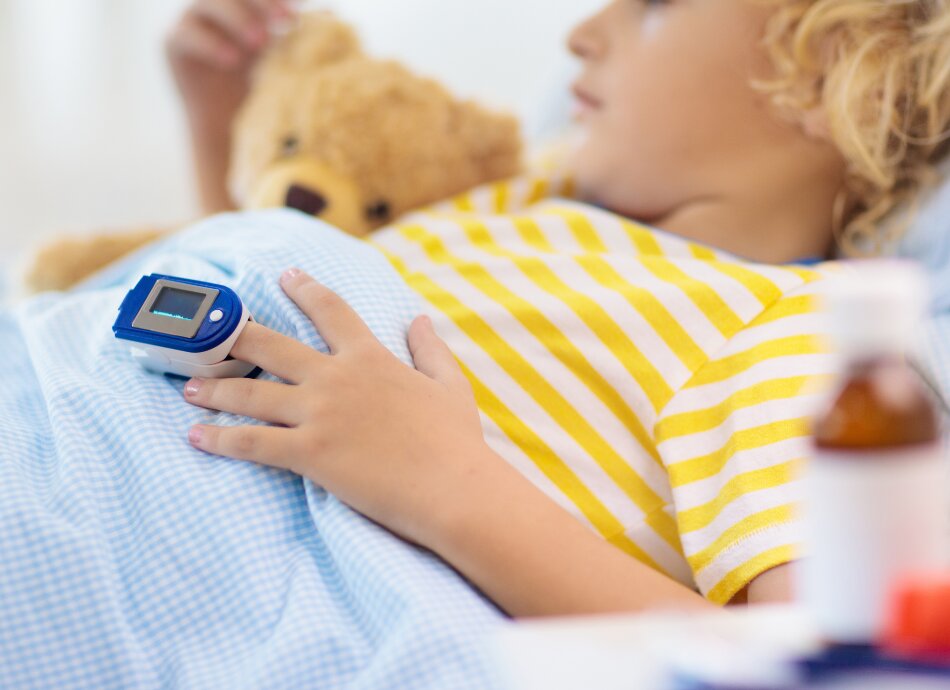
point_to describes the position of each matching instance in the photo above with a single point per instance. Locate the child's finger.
(268, 445)
(334, 319)
(267, 401)
(195, 39)
(284, 357)
(433, 357)
(238, 19)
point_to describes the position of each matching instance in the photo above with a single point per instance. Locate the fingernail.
(192, 387)
(194, 435)
(289, 274)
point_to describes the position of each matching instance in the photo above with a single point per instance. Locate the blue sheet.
(130, 559)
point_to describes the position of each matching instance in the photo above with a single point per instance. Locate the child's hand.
(397, 444)
(212, 48)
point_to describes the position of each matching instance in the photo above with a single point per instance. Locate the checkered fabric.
(129, 559)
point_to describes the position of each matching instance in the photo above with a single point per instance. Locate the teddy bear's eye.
(378, 212)
(289, 145)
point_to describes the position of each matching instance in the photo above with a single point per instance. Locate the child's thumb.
(432, 356)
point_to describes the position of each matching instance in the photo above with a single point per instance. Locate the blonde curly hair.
(878, 72)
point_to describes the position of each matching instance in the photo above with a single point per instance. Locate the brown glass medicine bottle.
(875, 499)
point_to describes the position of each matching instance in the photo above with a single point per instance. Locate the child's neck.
(777, 209)
(767, 233)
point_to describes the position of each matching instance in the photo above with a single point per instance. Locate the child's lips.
(585, 102)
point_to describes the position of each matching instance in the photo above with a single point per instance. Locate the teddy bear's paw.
(66, 261)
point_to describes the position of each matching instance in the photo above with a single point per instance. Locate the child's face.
(668, 108)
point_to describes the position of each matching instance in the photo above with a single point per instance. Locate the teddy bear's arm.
(64, 262)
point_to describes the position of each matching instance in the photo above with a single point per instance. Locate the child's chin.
(585, 172)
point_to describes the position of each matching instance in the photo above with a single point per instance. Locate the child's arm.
(405, 447)
(533, 558)
(211, 51)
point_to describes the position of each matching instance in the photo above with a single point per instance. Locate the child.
(651, 383)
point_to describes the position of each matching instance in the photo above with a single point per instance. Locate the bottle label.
(869, 518)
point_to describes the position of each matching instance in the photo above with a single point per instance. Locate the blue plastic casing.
(209, 334)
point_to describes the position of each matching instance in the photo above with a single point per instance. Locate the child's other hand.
(212, 48)
(398, 444)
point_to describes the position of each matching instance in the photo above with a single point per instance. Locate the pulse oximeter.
(183, 327)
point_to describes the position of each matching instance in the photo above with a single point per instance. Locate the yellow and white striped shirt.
(655, 388)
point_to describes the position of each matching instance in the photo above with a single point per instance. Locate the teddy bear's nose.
(305, 200)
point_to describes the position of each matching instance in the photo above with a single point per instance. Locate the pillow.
(927, 242)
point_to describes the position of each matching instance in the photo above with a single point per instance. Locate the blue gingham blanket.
(129, 559)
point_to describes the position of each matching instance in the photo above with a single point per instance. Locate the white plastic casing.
(212, 364)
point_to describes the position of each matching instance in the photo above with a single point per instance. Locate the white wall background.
(90, 131)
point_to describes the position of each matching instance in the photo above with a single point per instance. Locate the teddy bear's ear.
(316, 40)
(493, 139)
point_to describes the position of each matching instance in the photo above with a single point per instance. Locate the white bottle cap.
(876, 306)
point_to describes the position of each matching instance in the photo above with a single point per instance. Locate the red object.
(918, 622)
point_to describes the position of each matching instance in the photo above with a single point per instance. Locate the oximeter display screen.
(178, 304)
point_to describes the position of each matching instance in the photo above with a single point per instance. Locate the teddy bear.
(335, 133)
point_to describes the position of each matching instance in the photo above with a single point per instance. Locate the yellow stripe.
(548, 398)
(537, 190)
(654, 386)
(764, 290)
(501, 196)
(785, 307)
(739, 531)
(721, 369)
(556, 470)
(808, 274)
(582, 229)
(705, 466)
(701, 516)
(464, 202)
(697, 421)
(643, 239)
(730, 585)
(702, 253)
(531, 234)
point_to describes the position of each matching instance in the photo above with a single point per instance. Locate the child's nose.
(585, 41)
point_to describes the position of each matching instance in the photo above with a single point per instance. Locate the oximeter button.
(216, 316)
